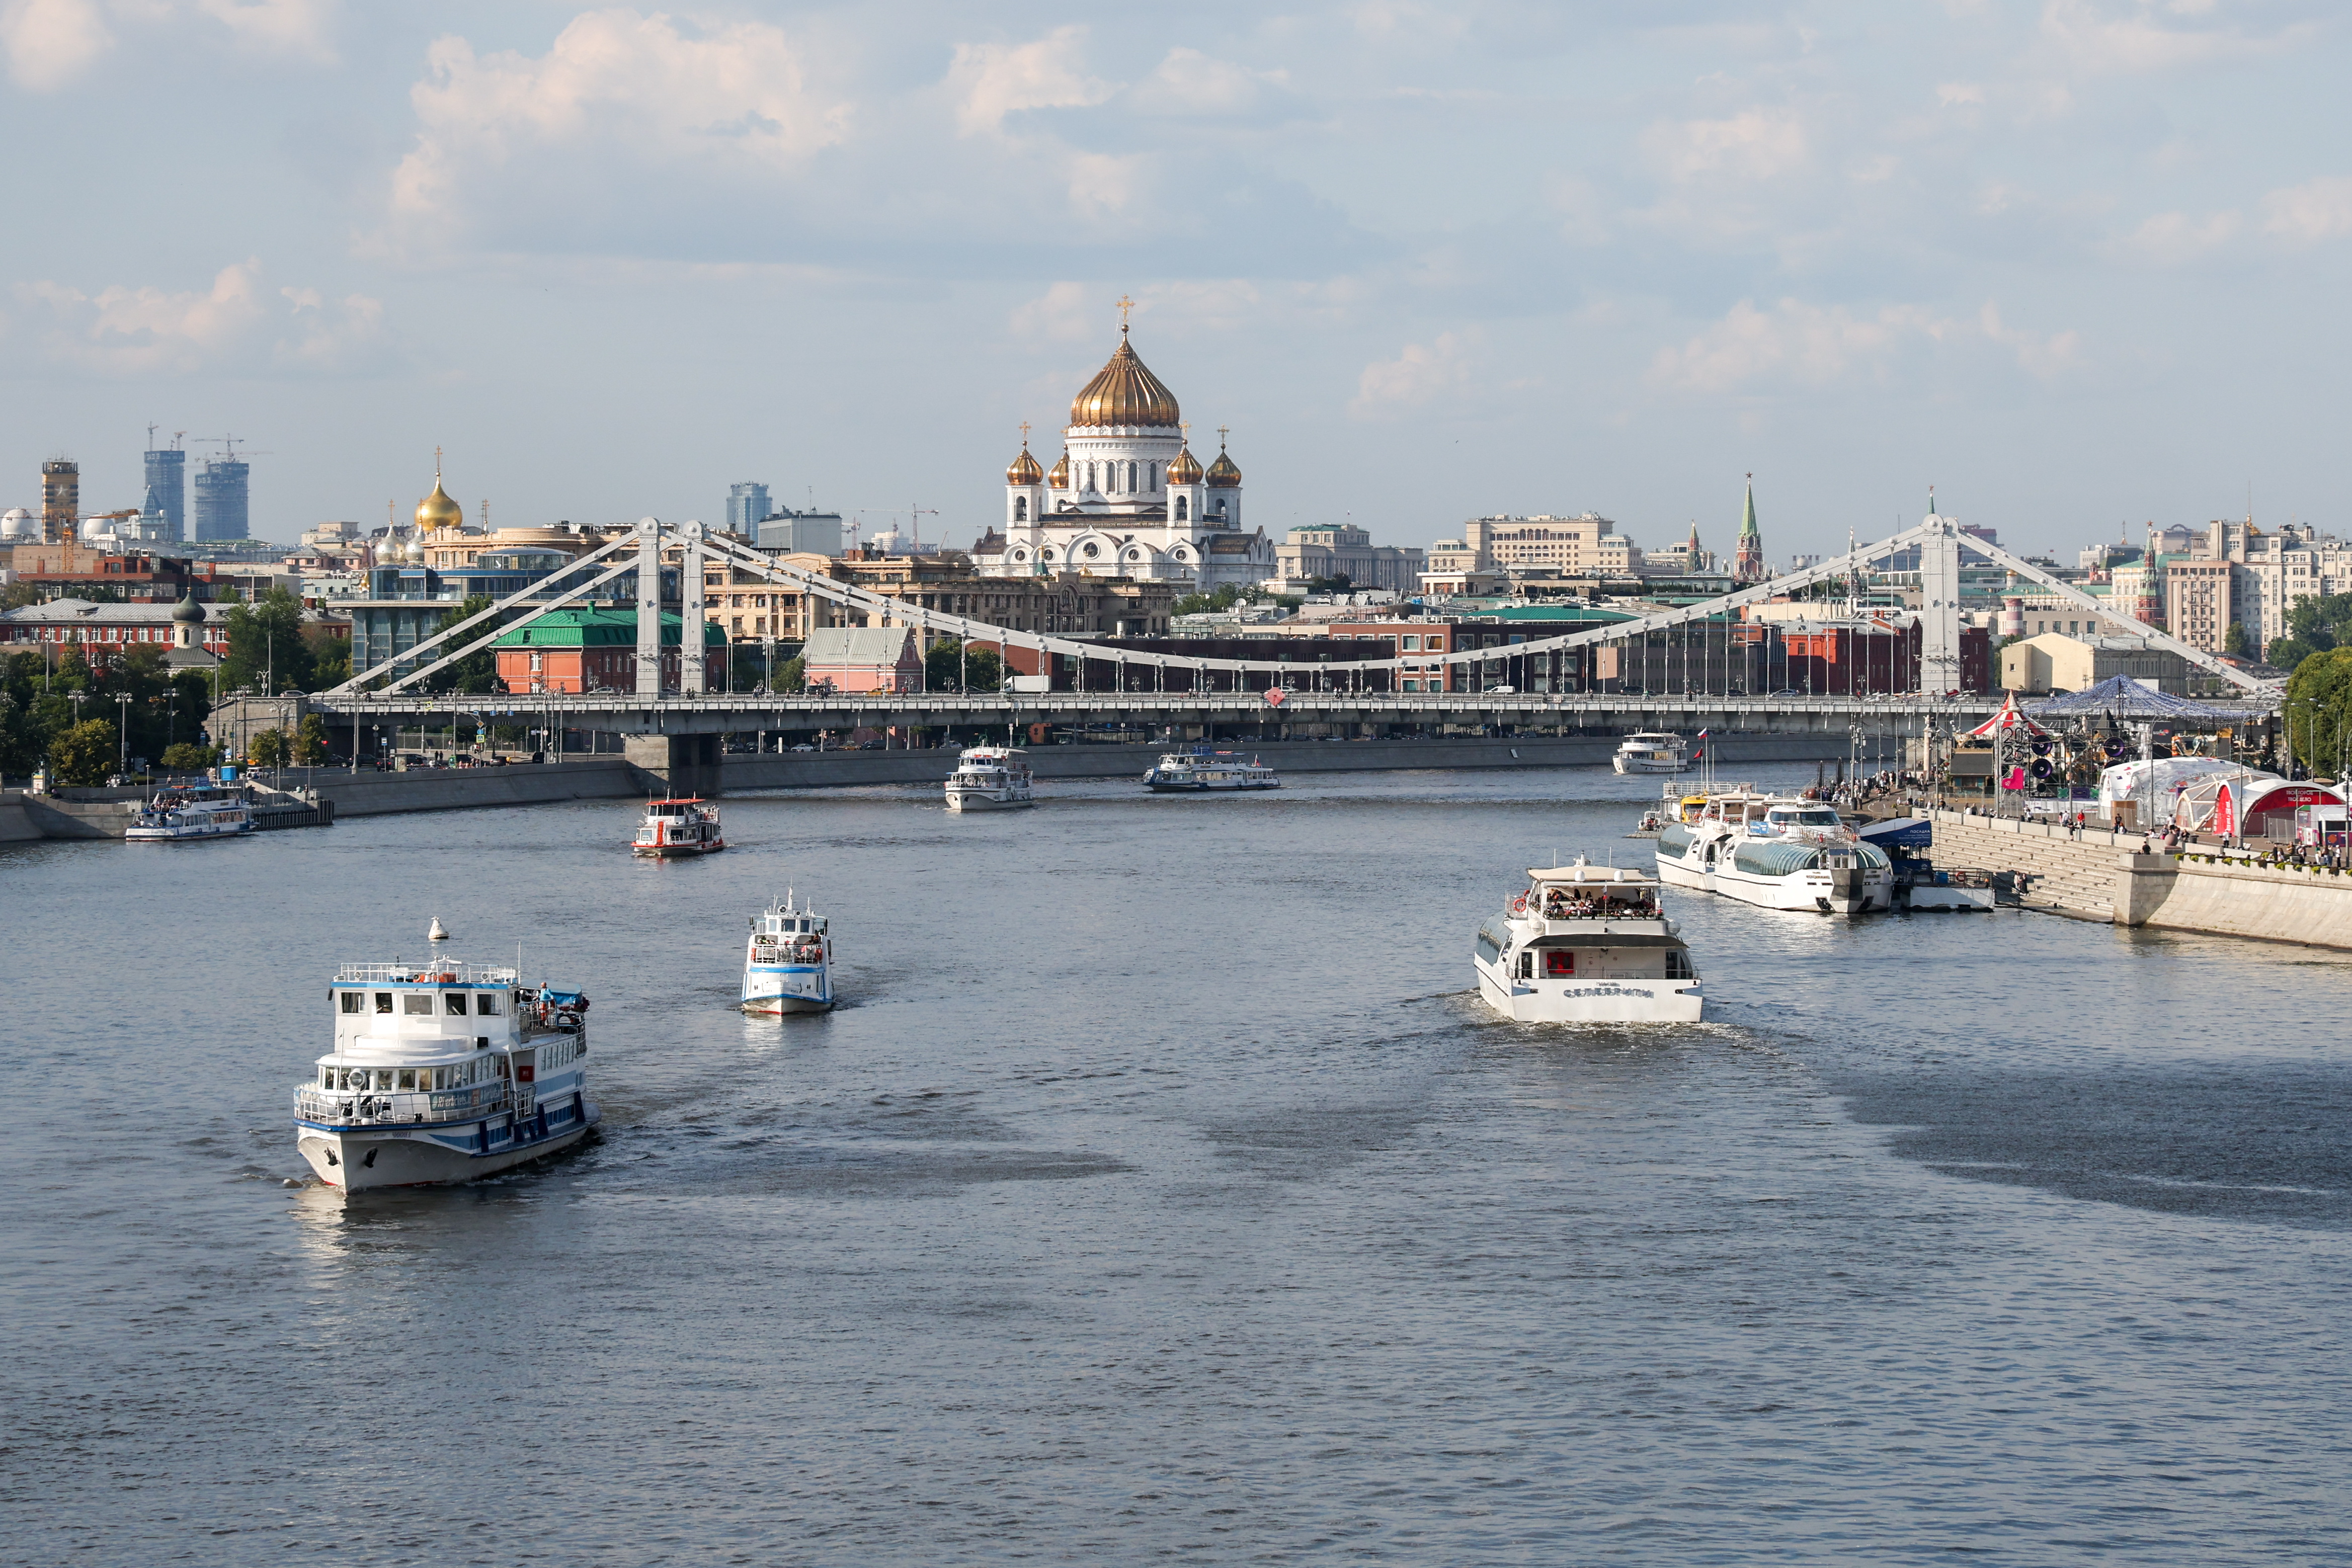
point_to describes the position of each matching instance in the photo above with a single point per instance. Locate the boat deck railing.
(384, 1107)
(448, 973)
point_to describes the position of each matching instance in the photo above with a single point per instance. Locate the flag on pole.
(1699, 753)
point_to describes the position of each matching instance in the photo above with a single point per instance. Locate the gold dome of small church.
(1025, 469)
(439, 509)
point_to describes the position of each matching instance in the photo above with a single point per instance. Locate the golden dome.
(1060, 477)
(1185, 470)
(1124, 392)
(1223, 475)
(438, 510)
(1025, 469)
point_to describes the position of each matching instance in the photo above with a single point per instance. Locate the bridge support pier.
(678, 764)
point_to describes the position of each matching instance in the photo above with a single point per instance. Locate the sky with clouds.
(2076, 263)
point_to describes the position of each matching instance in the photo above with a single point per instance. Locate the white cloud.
(1066, 313)
(1388, 388)
(1190, 83)
(297, 28)
(614, 85)
(991, 81)
(2314, 211)
(1960, 95)
(2127, 36)
(1817, 345)
(2168, 239)
(51, 42)
(1760, 145)
(233, 326)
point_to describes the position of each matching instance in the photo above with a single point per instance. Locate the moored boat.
(1188, 772)
(1920, 883)
(1778, 853)
(1587, 944)
(788, 961)
(991, 779)
(672, 828)
(443, 1071)
(191, 812)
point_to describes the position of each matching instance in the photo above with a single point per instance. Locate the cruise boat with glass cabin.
(1587, 944)
(1188, 772)
(788, 962)
(1651, 752)
(189, 812)
(675, 828)
(1776, 852)
(443, 1071)
(989, 778)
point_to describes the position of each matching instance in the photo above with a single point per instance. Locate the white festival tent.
(2163, 779)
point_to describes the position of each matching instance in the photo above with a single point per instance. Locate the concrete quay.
(2102, 876)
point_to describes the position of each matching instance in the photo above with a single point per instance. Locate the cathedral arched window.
(1130, 478)
(1020, 508)
(1151, 478)
(1181, 516)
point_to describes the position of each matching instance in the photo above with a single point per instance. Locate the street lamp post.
(122, 737)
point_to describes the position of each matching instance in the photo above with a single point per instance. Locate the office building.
(798, 533)
(167, 490)
(60, 501)
(746, 504)
(221, 501)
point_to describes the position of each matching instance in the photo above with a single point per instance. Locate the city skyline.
(1424, 270)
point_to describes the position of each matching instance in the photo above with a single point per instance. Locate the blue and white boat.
(443, 1071)
(191, 812)
(788, 962)
(1200, 770)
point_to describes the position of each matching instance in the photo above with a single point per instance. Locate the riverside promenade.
(2102, 875)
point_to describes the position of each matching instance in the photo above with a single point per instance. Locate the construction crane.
(227, 443)
(915, 526)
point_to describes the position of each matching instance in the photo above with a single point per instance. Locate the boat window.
(485, 1003)
(353, 1001)
(453, 1002)
(326, 1078)
(1559, 962)
(407, 1078)
(1527, 966)
(1678, 965)
(383, 1001)
(416, 1004)
(383, 1078)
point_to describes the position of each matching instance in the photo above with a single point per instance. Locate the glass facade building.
(221, 501)
(167, 491)
(746, 504)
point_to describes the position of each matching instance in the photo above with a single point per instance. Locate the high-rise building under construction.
(221, 500)
(60, 501)
(167, 486)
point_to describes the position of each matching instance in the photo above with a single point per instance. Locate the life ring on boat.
(1519, 905)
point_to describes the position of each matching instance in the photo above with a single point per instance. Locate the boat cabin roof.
(1590, 875)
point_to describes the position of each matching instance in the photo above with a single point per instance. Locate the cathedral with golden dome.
(1128, 497)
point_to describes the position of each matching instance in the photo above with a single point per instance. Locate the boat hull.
(1591, 1002)
(677, 852)
(787, 989)
(183, 835)
(1157, 788)
(1925, 898)
(1643, 765)
(358, 1159)
(1860, 892)
(986, 801)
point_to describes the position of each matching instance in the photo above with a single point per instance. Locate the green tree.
(85, 753)
(477, 672)
(1339, 582)
(791, 674)
(266, 644)
(267, 748)
(948, 668)
(331, 658)
(2318, 716)
(310, 741)
(2234, 641)
(187, 756)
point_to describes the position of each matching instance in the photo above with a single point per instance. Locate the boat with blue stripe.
(443, 1071)
(788, 961)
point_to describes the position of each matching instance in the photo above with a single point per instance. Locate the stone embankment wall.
(2102, 876)
(2049, 869)
(443, 789)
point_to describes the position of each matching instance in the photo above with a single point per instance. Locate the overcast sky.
(2075, 263)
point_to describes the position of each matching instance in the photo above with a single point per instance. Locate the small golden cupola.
(1124, 392)
(1224, 475)
(439, 509)
(1025, 469)
(1059, 478)
(1186, 469)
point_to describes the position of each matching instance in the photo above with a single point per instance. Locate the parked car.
(803, 746)
(1787, 692)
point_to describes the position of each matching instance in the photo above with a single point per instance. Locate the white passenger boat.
(443, 1071)
(675, 828)
(989, 778)
(191, 813)
(788, 962)
(1777, 852)
(1189, 771)
(1587, 944)
(1651, 752)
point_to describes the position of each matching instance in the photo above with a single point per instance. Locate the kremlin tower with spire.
(1748, 561)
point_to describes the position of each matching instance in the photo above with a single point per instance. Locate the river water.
(1164, 1192)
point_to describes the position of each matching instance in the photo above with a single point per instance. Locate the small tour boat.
(1189, 772)
(1920, 883)
(1777, 852)
(684, 826)
(1587, 944)
(443, 1071)
(788, 962)
(1651, 752)
(191, 812)
(989, 778)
